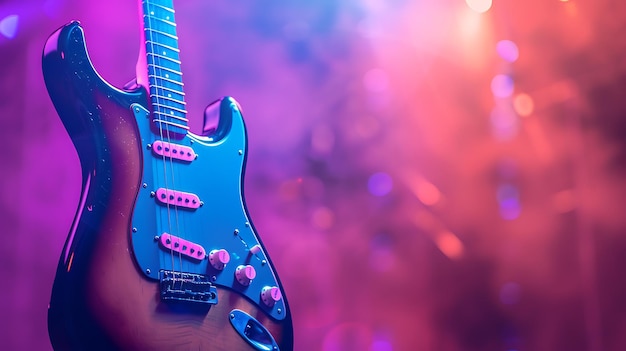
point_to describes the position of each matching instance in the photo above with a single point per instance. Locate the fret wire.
(170, 119)
(170, 123)
(164, 108)
(168, 89)
(162, 45)
(169, 111)
(170, 114)
(169, 107)
(156, 62)
(164, 117)
(164, 58)
(151, 65)
(171, 100)
(172, 56)
(171, 90)
(175, 37)
(159, 25)
(167, 80)
(161, 19)
(163, 7)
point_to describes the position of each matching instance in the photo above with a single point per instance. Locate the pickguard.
(219, 223)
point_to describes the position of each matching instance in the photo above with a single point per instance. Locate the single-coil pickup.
(175, 151)
(187, 248)
(178, 198)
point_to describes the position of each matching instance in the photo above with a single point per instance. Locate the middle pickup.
(185, 247)
(178, 198)
(174, 151)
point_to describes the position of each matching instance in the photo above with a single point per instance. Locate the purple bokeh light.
(508, 50)
(9, 26)
(380, 184)
(508, 199)
(502, 86)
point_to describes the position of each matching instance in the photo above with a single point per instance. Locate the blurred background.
(426, 175)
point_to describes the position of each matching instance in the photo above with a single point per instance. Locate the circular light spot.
(323, 218)
(523, 105)
(8, 26)
(427, 193)
(480, 6)
(376, 80)
(449, 244)
(380, 184)
(502, 86)
(507, 50)
(508, 199)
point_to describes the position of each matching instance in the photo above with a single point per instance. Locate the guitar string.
(173, 181)
(156, 95)
(178, 227)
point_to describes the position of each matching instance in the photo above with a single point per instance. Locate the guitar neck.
(162, 58)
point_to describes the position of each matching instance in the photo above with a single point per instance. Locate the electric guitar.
(162, 254)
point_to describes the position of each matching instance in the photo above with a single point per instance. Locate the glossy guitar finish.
(107, 293)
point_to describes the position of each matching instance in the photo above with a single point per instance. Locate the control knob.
(245, 274)
(219, 258)
(270, 295)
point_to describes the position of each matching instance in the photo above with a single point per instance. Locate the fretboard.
(164, 72)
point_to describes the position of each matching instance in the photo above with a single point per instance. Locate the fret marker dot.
(167, 18)
(164, 53)
(152, 13)
(167, 75)
(169, 95)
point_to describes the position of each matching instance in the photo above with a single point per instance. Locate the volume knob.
(219, 258)
(245, 274)
(270, 295)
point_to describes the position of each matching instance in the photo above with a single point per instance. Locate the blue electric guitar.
(162, 254)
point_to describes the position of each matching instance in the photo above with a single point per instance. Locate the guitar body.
(107, 294)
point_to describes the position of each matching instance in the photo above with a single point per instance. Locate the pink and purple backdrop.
(425, 176)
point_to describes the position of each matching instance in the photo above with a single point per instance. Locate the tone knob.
(219, 258)
(245, 274)
(270, 295)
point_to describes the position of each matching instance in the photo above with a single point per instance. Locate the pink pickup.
(178, 198)
(182, 246)
(175, 151)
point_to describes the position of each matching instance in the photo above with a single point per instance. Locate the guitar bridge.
(180, 287)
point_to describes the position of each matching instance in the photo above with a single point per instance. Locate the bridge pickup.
(182, 246)
(178, 198)
(179, 287)
(174, 151)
